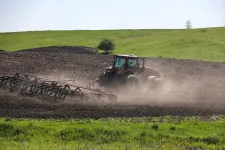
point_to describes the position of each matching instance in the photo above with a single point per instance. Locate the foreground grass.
(199, 44)
(120, 133)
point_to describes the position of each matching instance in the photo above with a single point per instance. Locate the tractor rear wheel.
(105, 78)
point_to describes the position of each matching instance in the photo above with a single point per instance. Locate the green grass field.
(198, 44)
(120, 133)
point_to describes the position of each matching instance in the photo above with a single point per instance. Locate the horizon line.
(22, 31)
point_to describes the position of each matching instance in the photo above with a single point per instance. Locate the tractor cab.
(127, 69)
(126, 63)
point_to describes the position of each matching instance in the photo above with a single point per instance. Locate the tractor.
(127, 70)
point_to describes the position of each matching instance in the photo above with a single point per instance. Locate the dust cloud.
(176, 91)
(172, 91)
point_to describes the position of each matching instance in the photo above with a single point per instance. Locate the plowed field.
(191, 87)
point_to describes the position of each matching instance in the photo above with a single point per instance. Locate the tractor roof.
(125, 55)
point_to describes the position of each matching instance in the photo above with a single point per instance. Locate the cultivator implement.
(31, 86)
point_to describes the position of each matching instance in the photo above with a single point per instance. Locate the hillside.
(198, 44)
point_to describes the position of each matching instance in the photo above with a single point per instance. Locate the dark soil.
(200, 87)
(63, 49)
(13, 107)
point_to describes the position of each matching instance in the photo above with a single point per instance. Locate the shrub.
(106, 45)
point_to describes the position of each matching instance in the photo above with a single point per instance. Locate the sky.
(30, 15)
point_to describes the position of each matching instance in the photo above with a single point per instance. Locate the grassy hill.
(199, 44)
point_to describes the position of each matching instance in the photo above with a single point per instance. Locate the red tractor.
(126, 69)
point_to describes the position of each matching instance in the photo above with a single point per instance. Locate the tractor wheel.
(132, 80)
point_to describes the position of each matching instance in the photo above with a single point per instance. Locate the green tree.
(106, 45)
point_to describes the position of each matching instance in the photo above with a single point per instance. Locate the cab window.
(120, 62)
(132, 63)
